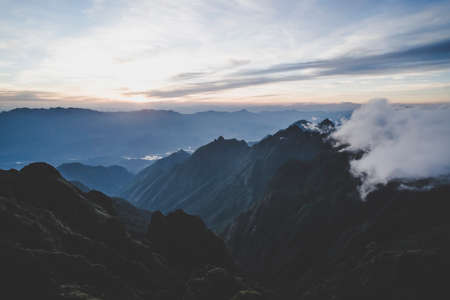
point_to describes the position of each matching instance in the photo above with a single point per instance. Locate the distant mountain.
(152, 176)
(61, 135)
(225, 177)
(58, 242)
(109, 180)
(134, 165)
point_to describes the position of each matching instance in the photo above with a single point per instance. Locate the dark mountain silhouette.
(225, 177)
(110, 180)
(312, 237)
(60, 135)
(58, 242)
(288, 208)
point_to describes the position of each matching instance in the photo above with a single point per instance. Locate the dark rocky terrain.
(110, 180)
(58, 242)
(312, 237)
(288, 209)
(225, 177)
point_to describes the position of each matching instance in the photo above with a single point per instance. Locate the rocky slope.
(58, 242)
(152, 176)
(225, 177)
(311, 237)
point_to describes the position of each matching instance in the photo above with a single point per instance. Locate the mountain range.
(61, 135)
(225, 177)
(282, 218)
(62, 243)
(110, 180)
(313, 238)
(290, 211)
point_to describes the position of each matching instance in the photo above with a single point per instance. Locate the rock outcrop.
(57, 242)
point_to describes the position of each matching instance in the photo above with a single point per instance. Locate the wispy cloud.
(188, 76)
(232, 63)
(199, 49)
(35, 98)
(434, 56)
(26, 96)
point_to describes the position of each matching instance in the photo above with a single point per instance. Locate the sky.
(121, 55)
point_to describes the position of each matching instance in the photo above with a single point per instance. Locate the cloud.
(405, 142)
(26, 96)
(188, 76)
(151, 157)
(93, 47)
(34, 98)
(213, 86)
(232, 63)
(238, 62)
(433, 56)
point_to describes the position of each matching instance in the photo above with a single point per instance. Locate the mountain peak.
(324, 127)
(180, 152)
(221, 145)
(40, 170)
(305, 125)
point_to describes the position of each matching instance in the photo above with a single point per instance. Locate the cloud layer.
(406, 142)
(226, 50)
(433, 56)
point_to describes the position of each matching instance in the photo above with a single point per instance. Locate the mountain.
(225, 177)
(60, 243)
(152, 175)
(312, 237)
(110, 180)
(60, 135)
(193, 184)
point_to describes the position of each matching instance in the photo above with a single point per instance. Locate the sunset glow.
(123, 54)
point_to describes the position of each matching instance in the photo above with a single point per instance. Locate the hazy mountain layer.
(109, 180)
(106, 138)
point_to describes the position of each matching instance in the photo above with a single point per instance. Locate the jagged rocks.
(57, 242)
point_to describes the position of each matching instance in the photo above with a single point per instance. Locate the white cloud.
(400, 142)
(152, 157)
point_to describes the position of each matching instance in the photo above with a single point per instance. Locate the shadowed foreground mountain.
(288, 208)
(294, 219)
(225, 177)
(311, 237)
(58, 242)
(110, 180)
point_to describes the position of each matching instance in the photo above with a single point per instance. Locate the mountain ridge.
(225, 177)
(46, 252)
(110, 180)
(62, 135)
(312, 237)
